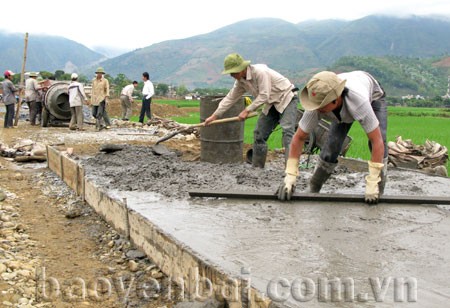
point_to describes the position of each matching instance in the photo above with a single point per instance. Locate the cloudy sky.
(139, 23)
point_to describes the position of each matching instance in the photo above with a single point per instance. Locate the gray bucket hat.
(321, 89)
(234, 63)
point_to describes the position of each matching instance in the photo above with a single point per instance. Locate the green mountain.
(296, 50)
(45, 53)
(402, 75)
(401, 52)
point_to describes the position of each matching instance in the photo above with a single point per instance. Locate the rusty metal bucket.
(221, 143)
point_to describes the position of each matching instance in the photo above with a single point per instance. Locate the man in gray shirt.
(9, 99)
(342, 99)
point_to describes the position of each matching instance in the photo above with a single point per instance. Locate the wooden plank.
(324, 197)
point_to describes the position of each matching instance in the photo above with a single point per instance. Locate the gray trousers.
(9, 116)
(338, 132)
(267, 123)
(35, 111)
(100, 114)
(126, 107)
(76, 121)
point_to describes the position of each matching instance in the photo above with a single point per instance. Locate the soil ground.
(46, 230)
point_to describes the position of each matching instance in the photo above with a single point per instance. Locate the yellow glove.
(286, 189)
(372, 180)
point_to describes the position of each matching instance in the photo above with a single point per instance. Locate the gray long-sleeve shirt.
(9, 89)
(267, 86)
(363, 89)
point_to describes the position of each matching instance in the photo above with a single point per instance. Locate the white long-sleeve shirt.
(76, 94)
(128, 91)
(148, 91)
(363, 89)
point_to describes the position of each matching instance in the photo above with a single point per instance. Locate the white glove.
(372, 180)
(286, 189)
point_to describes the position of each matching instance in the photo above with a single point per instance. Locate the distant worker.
(77, 97)
(147, 93)
(40, 98)
(99, 99)
(269, 89)
(9, 99)
(126, 99)
(343, 99)
(31, 96)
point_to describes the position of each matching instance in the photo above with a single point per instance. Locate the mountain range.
(295, 50)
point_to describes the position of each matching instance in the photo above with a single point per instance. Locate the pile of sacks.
(430, 157)
(25, 147)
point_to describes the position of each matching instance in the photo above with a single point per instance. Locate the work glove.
(372, 180)
(286, 189)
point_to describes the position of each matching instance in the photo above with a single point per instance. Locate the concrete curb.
(182, 265)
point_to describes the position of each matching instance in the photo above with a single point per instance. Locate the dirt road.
(55, 251)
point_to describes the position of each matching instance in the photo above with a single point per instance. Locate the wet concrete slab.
(277, 244)
(300, 254)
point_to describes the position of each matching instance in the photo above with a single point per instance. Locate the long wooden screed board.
(320, 197)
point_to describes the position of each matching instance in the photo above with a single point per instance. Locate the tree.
(59, 74)
(182, 90)
(45, 74)
(162, 89)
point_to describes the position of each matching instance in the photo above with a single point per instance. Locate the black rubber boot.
(259, 155)
(383, 176)
(321, 174)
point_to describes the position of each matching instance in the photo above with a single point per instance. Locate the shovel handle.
(226, 120)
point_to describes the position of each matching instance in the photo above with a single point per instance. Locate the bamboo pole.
(22, 77)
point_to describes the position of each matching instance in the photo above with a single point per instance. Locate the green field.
(417, 124)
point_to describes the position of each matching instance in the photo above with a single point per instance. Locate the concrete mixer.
(56, 107)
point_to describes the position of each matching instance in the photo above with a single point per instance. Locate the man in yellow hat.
(32, 96)
(271, 90)
(99, 97)
(342, 99)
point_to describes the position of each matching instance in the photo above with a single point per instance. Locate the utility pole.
(22, 75)
(448, 89)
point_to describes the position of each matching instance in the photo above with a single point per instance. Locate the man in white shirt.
(147, 92)
(343, 99)
(126, 99)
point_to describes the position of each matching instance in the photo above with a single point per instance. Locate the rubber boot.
(259, 155)
(383, 176)
(322, 172)
(249, 156)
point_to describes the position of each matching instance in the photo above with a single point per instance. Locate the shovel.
(226, 120)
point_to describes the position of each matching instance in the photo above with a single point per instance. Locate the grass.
(417, 124)
(178, 103)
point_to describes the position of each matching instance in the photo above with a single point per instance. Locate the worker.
(147, 93)
(9, 99)
(99, 99)
(31, 96)
(269, 89)
(40, 98)
(77, 97)
(343, 99)
(126, 99)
